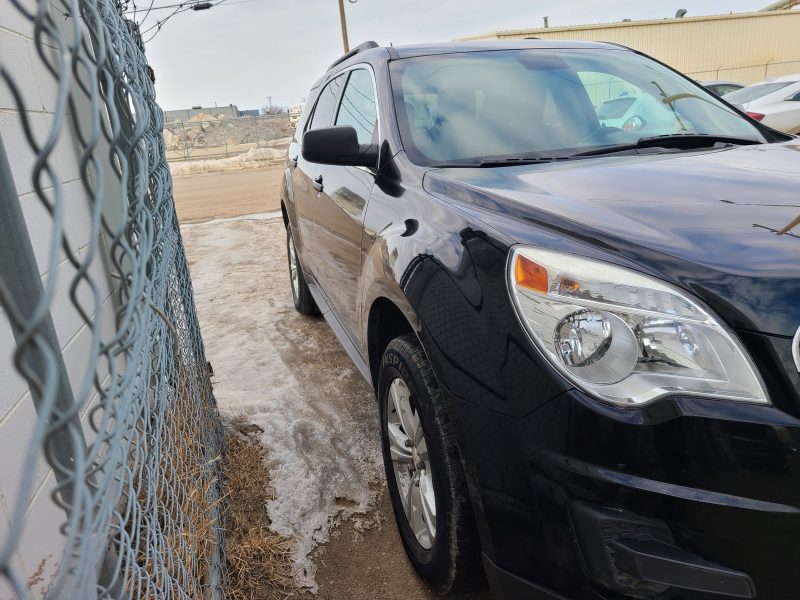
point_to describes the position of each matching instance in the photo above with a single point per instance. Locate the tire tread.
(464, 572)
(304, 302)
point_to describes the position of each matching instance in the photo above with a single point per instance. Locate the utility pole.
(344, 27)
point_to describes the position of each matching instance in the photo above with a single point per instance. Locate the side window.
(358, 105)
(326, 105)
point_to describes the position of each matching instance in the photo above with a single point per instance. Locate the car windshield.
(754, 92)
(463, 108)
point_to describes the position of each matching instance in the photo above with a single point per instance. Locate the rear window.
(754, 92)
(722, 90)
(614, 109)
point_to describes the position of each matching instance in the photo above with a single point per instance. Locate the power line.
(181, 5)
(178, 8)
(147, 14)
(159, 24)
(165, 6)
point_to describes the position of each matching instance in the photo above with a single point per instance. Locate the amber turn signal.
(530, 275)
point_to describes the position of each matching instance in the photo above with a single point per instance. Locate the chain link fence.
(113, 487)
(207, 138)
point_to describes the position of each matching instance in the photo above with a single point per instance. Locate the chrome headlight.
(624, 337)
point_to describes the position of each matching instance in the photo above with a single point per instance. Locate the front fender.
(380, 281)
(407, 250)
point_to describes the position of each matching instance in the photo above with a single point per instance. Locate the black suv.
(581, 326)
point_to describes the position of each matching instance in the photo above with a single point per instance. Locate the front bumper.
(718, 482)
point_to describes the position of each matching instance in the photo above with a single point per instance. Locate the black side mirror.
(338, 146)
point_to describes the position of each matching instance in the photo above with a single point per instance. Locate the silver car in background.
(720, 88)
(775, 102)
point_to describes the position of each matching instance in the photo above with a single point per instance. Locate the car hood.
(707, 221)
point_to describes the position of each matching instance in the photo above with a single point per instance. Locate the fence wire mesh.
(127, 428)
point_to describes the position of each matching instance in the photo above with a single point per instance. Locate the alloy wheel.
(294, 270)
(412, 467)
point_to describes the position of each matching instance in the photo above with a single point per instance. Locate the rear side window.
(358, 106)
(326, 105)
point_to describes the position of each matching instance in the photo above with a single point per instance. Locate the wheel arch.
(284, 214)
(386, 321)
(286, 195)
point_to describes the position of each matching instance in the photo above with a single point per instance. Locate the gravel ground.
(288, 374)
(205, 196)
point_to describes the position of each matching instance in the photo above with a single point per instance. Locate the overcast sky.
(246, 50)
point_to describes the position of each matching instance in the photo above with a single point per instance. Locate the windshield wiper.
(684, 141)
(505, 162)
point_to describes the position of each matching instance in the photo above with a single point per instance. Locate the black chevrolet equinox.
(572, 277)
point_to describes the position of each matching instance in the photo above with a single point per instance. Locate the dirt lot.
(204, 196)
(287, 374)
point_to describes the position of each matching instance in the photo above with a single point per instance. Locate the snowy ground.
(288, 374)
(252, 159)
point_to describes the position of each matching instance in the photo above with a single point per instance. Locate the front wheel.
(424, 474)
(303, 300)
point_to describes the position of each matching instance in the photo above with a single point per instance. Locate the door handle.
(293, 161)
(318, 183)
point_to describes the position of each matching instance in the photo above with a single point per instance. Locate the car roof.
(720, 82)
(476, 46)
(791, 78)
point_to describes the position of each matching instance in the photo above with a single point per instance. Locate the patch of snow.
(265, 216)
(288, 374)
(253, 158)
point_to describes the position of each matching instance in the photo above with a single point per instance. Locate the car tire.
(444, 550)
(303, 300)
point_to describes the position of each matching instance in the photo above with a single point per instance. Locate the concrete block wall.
(37, 556)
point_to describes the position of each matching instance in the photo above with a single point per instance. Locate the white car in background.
(636, 112)
(775, 102)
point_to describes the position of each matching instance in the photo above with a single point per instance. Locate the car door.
(304, 173)
(342, 202)
(785, 115)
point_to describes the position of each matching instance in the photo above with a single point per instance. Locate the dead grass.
(180, 495)
(259, 559)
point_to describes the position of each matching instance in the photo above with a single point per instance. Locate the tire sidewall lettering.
(398, 365)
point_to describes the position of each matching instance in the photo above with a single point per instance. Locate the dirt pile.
(206, 131)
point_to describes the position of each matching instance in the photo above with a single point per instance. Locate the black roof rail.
(353, 52)
(624, 47)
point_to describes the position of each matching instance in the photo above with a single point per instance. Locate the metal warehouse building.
(744, 47)
(231, 111)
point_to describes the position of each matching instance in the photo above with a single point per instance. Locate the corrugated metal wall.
(742, 47)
